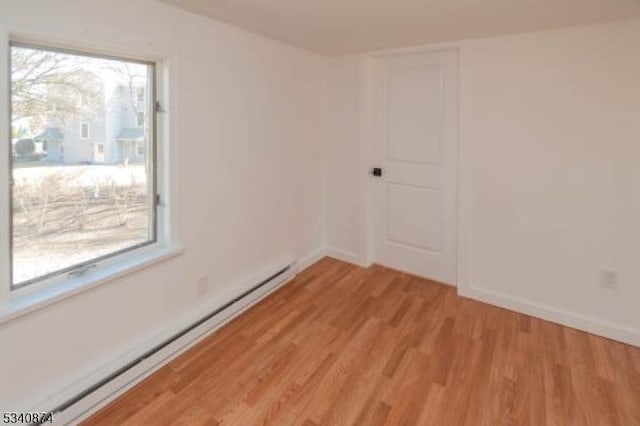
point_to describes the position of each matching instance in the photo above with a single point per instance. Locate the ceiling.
(335, 27)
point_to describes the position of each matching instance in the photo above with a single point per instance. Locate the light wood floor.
(344, 345)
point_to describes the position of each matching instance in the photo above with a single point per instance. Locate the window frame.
(155, 243)
(82, 123)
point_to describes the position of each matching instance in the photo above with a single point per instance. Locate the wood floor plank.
(342, 345)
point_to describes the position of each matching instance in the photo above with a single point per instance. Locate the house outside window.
(140, 119)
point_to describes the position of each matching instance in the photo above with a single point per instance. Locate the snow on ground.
(38, 261)
(80, 175)
(36, 254)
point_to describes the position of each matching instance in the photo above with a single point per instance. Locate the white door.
(415, 146)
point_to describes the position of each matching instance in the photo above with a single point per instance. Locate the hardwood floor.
(344, 345)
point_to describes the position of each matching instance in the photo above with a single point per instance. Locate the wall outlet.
(609, 279)
(203, 287)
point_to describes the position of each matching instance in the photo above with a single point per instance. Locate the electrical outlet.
(203, 287)
(609, 279)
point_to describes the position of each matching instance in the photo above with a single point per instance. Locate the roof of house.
(135, 134)
(50, 133)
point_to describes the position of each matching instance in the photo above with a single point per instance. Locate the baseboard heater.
(155, 349)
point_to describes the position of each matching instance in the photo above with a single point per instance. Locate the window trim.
(26, 300)
(156, 243)
(5, 167)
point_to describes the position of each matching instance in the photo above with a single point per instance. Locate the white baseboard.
(559, 316)
(332, 252)
(538, 310)
(311, 258)
(344, 255)
(112, 390)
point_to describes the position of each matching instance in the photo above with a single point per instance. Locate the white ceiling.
(347, 26)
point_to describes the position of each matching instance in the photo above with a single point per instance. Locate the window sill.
(18, 306)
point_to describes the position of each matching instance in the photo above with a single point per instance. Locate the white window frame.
(82, 124)
(18, 302)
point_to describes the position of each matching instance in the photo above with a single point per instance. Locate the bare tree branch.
(50, 85)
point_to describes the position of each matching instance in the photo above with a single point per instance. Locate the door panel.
(414, 216)
(416, 145)
(414, 114)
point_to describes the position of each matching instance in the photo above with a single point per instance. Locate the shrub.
(25, 147)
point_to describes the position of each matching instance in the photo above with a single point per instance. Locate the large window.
(73, 206)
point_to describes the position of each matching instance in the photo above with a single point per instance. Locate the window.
(140, 118)
(140, 149)
(66, 214)
(84, 130)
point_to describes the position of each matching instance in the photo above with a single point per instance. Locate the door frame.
(366, 129)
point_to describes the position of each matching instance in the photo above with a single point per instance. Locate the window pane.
(82, 160)
(84, 130)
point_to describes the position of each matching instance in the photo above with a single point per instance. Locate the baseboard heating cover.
(86, 402)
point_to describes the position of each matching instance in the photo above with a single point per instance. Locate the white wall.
(249, 127)
(342, 197)
(550, 172)
(555, 173)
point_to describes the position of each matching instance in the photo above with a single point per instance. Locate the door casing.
(368, 122)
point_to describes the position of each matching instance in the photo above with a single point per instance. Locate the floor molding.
(344, 255)
(311, 258)
(538, 310)
(559, 316)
